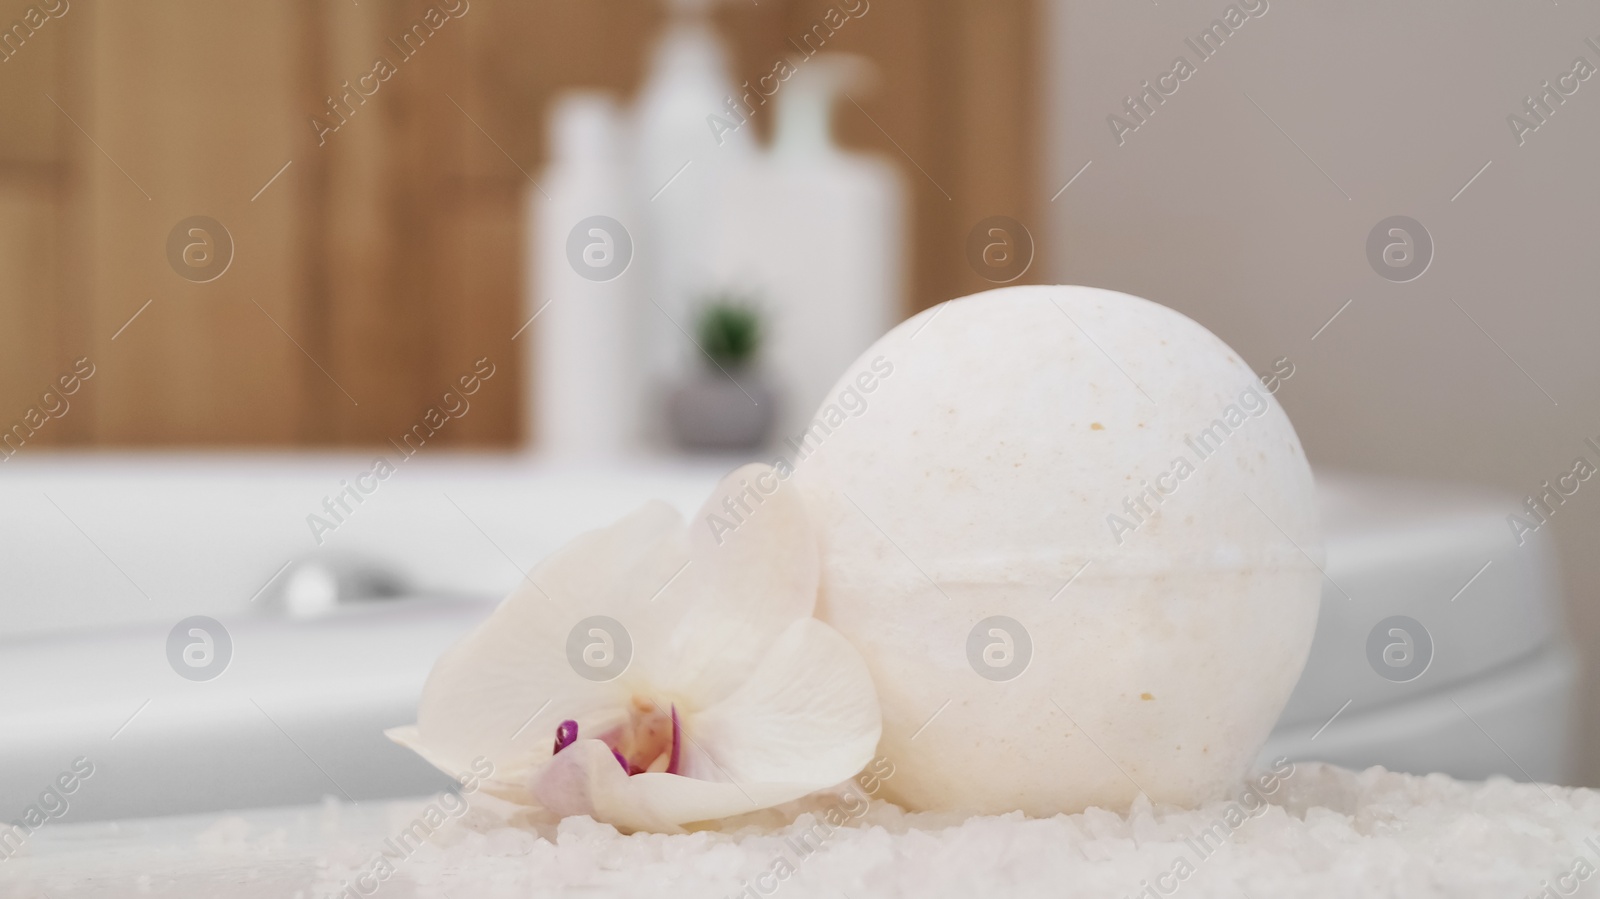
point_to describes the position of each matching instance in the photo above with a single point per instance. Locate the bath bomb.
(1075, 537)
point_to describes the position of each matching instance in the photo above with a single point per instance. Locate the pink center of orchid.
(648, 742)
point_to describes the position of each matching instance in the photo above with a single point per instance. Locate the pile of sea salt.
(1318, 831)
(1321, 831)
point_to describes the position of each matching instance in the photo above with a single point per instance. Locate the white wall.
(1212, 209)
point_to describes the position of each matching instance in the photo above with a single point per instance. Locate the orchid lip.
(567, 734)
(651, 741)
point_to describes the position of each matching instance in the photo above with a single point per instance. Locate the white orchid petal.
(605, 568)
(506, 783)
(753, 572)
(585, 779)
(808, 714)
(501, 691)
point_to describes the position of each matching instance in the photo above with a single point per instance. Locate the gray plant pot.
(712, 413)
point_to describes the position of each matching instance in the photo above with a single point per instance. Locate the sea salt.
(1326, 832)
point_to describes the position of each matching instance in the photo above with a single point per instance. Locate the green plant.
(729, 331)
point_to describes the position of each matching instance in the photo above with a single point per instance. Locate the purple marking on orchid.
(677, 730)
(623, 762)
(566, 734)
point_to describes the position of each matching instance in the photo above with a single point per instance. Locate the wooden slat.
(181, 116)
(32, 314)
(29, 363)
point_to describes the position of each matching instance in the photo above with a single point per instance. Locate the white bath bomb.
(1072, 533)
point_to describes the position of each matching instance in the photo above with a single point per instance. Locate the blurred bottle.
(681, 169)
(818, 233)
(586, 390)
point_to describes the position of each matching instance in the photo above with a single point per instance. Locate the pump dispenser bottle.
(816, 232)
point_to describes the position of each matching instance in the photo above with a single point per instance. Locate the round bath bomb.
(1072, 533)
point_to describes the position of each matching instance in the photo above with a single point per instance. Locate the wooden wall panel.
(389, 256)
(178, 121)
(32, 312)
(992, 122)
(356, 300)
(29, 362)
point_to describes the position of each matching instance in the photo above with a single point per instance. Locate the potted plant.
(726, 404)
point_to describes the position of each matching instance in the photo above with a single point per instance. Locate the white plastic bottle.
(681, 168)
(583, 298)
(819, 234)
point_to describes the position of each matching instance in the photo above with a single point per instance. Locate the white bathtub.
(103, 555)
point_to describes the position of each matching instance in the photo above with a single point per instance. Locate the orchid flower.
(654, 674)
